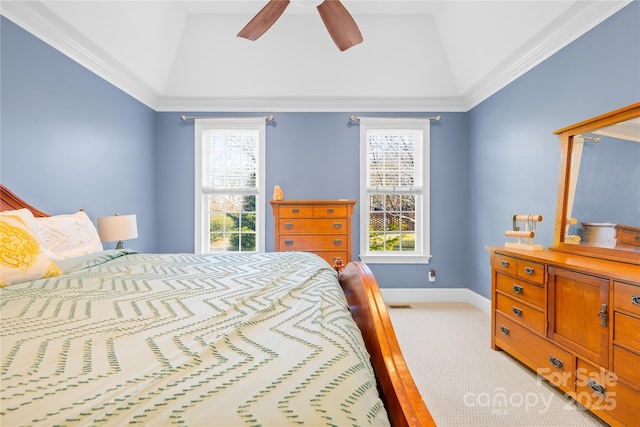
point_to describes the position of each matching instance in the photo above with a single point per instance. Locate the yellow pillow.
(22, 254)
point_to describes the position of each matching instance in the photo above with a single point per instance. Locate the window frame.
(422, 253)
(201, 226)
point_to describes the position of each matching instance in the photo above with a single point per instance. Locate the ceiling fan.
(339, 22)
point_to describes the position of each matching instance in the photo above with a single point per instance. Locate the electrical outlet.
(432, 275)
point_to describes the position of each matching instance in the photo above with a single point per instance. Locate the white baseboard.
(409, 295)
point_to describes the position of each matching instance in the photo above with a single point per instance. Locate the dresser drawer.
(594, 386)
(627, 408)
(549, 361)
(505, 263)
(626, 331)
(295, 211)
(330, 211)
(312, 225)
(628, 236)
(521, 313)
(600, 391)
(312, 243)
(626, 297)
(527, 270)
(626, 365)
(525, 291)
(531, 271)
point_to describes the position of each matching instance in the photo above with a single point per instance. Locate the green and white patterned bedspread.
(260, 339)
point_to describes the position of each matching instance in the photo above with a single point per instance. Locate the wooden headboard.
(9, 201)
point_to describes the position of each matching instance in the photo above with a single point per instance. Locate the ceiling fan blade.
(264, 19)
(340, 24)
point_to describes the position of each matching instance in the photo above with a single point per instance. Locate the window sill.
(395, 259)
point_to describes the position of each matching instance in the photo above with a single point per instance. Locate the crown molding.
(312, 104)
(581, 17)
(38, 20)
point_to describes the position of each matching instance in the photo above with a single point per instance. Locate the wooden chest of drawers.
(575, 321)
(319, 226)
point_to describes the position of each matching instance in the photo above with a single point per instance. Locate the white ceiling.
(182, 55)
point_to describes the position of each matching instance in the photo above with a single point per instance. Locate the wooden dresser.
(319, 226)
(575, 320)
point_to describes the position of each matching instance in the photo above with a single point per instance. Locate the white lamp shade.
(117, 227)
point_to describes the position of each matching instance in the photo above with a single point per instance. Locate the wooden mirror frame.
(566, 136)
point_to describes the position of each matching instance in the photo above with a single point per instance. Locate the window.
(394, 190)
(229, 216)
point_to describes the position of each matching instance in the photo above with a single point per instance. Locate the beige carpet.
(466, 383)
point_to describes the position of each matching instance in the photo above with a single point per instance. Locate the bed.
(113, 337)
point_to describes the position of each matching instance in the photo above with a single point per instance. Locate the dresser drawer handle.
(635, 299)
(337, 226)
(517, 311)
(517, 289)
(337, 242)
(288, 226)
(295, 210)
(504, 263)
(603, 315)
(504, 329)
(288, 242)
(530, 271)
(637, 237)
(555, 361)
(596, 387)
(329, 210)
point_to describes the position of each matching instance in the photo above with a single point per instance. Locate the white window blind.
(394, 160)
(229, 160)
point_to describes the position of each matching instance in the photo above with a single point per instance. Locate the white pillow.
(23, 255)
(69, 236)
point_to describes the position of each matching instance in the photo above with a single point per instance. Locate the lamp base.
(120, 245)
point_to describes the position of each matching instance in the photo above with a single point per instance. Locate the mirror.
(598, 212)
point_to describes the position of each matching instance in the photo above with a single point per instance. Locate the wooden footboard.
(397, 388)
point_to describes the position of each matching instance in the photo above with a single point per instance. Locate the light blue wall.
(316, 156)
(70, 140)
(515, 154)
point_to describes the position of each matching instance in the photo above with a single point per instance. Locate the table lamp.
(117, 227)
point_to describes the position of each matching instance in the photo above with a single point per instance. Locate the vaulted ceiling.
(183, 55)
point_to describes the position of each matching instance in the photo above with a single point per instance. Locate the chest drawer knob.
(337, 226)
(635, 299)
(530, 271)
(517, 311)
(330, 210)
(288, 242)
(596, 387)
(517, 289)
(288, 226)
(555, 361)
(337, 242)
(504, 263)
(504, 329)
(295, 210)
